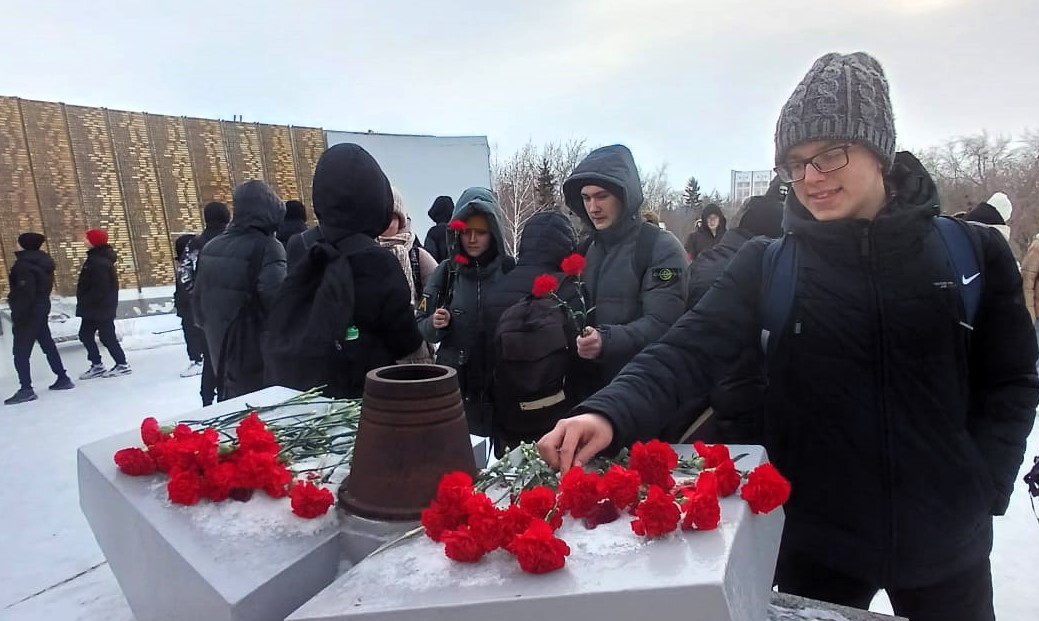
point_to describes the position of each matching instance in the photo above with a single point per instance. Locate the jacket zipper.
(887, 453)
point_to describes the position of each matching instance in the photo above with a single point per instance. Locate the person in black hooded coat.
(32, 279)
(295, 222)
(354, 203)
(216, 216)
(709, 230)
(436, 237)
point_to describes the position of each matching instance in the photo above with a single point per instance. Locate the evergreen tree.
(546, 186)
(691, 198)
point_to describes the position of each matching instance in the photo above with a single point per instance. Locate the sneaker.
(22, 396)
(119, 369)
(95, 370)
(194, 369)
(62, 383)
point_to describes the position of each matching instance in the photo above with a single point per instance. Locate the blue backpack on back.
(779, 269)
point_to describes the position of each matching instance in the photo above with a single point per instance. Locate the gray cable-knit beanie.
(842, 97)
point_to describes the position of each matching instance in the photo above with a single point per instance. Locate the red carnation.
(184, 487)
(537, 501)
(544, 285)
(461, 259)
(578, 492)
(310, 501)
(455, 488)
(253, 435)
(484, 522)
(654, 462)
(218, 481)
(602, 513)
(713, 455)
(573, 265)
(657, 515)
(263, 471)
(620, 485)
(134, 462)
(765, 489)
(457, 226)
(538, 550)
(437, 522)
(151, 434)
(728, 478)
(702, 509)
(460, 545)
(515, 520)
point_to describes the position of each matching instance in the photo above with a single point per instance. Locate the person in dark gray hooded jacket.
(632, 309)
(453, 311)
(242, 266)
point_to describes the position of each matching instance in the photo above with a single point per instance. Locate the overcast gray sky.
(695, 84)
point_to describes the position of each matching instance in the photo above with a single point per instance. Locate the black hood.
(714, 209)
(351, 193)
(613, 168)
(547, 238)
(912, 205)
(256, 206)
(294, 210)
(216, 214)
(38, 258)
(181, 245)
(441, 210)
(104, 251)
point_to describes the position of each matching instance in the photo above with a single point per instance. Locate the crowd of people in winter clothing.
(883, 354)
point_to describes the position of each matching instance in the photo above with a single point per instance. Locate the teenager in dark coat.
(32, 279)
(97, 298)
(436, 237)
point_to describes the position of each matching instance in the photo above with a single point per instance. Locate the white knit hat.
(1002, 204)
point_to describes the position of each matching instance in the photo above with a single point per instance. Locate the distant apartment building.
(747, 183)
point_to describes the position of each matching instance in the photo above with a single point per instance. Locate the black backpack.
(533, 358)
(311, 339)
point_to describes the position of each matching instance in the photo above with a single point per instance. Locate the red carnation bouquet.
(547, 285)
(204, 461)
(639, 483)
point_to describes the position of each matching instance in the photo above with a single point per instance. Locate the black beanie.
(31, 241)
(762, 216)
(985, 214)
(216, 213)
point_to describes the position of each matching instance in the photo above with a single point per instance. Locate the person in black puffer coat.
(436, 237)
(738, 397)
(354, 203)
(97, 298)
(194, 337)
(295, 222)
(32, 279)
(216, 216)
(709, 230)
(237, 278)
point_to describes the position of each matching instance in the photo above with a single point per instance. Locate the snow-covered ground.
(50, 566)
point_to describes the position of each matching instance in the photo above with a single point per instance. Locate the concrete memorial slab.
(611, 574)
(232, 561)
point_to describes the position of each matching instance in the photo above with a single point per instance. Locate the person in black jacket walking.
(900, 426)
(97, 299)
(32, 279)
(708, 232)
(216, 216)
(237, 277)
(194, 337)
(436, 237)
(737, 401)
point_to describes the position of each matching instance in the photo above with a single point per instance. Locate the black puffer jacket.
(436, 237)
(900, 430)
(97, 292)
(244, 263)
(32, 279)
(355, 203)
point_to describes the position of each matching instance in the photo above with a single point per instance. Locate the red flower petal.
(150, 432)
(654, 462)
(573, 265)
(460, 545)
(457, 226)
(310, 501)
(657, 515)
(544, 285)
(461, 259)
(765, 489)
(538, 550)
(713, 455)
(134, 462)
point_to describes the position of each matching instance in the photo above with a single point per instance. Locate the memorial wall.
(142, 177)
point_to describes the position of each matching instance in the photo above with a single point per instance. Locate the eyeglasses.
(834, 158)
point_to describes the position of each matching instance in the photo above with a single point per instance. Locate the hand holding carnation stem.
(574, 441)
(589, 344)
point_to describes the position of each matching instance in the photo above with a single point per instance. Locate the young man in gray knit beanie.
(899, 418)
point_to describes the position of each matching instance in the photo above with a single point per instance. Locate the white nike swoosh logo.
(967, 281)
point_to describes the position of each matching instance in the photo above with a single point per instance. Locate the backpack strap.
(964, 258)
(644, 248)
(778, 280)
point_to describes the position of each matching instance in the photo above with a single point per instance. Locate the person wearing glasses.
(900, 426)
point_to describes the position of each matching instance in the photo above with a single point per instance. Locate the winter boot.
(95, 370)
(62, 383)
(193, 370)
(119, 369)
(22, 396)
